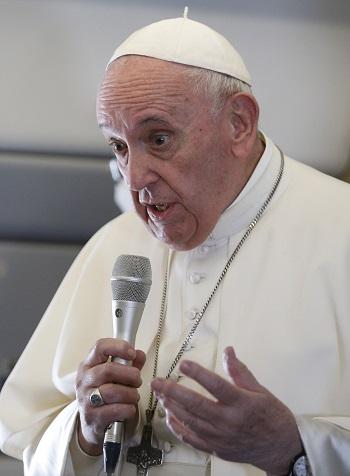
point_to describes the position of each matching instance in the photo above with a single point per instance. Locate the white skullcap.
(185, 41)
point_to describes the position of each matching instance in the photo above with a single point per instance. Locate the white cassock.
(284, 305)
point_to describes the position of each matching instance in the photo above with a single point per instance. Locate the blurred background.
(55, 184)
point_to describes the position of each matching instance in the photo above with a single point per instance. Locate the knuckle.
(124, 412)
(123, 346)
(110, 372)
(118, 373)
(133, 395)
(113, 393)
(125, 394)
(80, 373)
(137, 377)
(99, 346)
(221, 386)
(81, 384)
(134, 376)
(132, 411)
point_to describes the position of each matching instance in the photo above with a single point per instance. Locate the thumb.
(239, 372)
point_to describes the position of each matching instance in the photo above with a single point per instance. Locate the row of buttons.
(196, 278)
(192, 314)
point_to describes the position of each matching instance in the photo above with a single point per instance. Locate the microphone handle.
(114, 439)
(126, 318)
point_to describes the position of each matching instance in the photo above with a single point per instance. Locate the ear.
(243, 111)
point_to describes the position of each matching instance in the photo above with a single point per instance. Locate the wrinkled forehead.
(135, 70)
(133, 84)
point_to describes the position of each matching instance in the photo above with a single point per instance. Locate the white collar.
(244, 208)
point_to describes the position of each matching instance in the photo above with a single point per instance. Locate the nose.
(139, 172)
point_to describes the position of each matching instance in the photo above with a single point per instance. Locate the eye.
(118, 147)
(160, 139)
(120, 150)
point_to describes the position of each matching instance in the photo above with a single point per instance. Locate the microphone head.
(131, 278)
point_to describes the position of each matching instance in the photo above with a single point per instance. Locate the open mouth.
(160, 207)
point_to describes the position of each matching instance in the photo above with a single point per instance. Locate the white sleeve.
(58, 452)
(50, 454)
(327, 444)
(84, 464)
(37, 403)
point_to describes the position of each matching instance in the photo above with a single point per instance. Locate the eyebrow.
(158, 119)
(143, 122)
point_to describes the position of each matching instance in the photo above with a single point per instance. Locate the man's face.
(174, 155)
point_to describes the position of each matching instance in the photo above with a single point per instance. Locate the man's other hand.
(243, 423)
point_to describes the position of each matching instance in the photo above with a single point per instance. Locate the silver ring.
(95, 398)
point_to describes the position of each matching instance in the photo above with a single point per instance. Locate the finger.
(195, 423)
(114, 393)
(99, 418)
(239, 372)
(118, 412)
(183, 433)
(104, 348)
(112, 372)
(216, 385)
(139, 360)
(191, 400)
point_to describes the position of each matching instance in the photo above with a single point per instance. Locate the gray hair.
(216, 86)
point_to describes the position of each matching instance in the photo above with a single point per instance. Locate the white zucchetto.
(184, 41)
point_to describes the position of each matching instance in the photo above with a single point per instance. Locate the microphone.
(131, 282)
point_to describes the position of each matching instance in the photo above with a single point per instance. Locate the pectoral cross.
(145, 455)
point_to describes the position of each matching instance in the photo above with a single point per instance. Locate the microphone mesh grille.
(134, 267)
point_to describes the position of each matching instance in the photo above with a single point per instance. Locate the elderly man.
(248, 311)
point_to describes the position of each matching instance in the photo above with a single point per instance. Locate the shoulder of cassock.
(43, 381)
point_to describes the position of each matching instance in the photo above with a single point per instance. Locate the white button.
(192, 314)
(167, 446)
(161, 412)
(203, 250)
(195, 278)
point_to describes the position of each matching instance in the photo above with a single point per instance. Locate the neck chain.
(152, 403)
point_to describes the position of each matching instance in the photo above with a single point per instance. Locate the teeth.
(161, 207)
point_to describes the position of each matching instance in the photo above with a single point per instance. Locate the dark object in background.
(50, 205)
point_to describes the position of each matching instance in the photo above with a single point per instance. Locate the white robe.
(284, 306)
